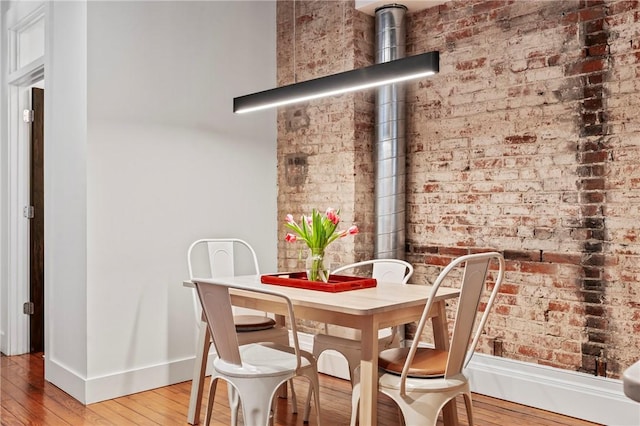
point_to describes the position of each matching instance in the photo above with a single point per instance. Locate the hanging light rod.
(396, 71)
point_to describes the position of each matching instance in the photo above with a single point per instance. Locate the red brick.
(437, 260)
(594, 157)
(501, 310)
(533, 256)
(592, 184)
(592, 104)
(453, 251)
(591, 14)
(599, 50)
(488, 6)
(509, 289)
(459, 35)
(622, 6)
(559, 307)
(594, 26)
(539, 268)
(553, 60)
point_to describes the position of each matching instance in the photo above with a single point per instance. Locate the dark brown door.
(36, 230)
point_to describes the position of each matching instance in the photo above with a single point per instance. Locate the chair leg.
(234, 404)
(257, 399)
(317, 399)
(314, 387)
(469, 406)
(307, 407)
(212, 395)
(355, 403)
(256, 413)
(199, 371)
(294, 400)
(282, 392)
(420, 408)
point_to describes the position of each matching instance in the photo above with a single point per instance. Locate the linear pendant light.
(396, 71)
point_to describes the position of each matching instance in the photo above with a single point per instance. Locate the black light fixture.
(396, 71)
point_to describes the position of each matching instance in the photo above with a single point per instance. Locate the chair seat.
(278, 334)
(246, 323)
(414, 384)
(427, 363)
(264, 360)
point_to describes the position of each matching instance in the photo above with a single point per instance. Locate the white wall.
(166, 162)
(65, 171)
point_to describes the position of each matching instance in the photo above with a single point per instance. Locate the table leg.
(199, 372)
(282, 392)
(369, 374)
(441, 341)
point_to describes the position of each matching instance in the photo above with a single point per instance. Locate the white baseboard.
(580, 395)
(134, 381)
(96, 389)
(570, 393)
(64, 378)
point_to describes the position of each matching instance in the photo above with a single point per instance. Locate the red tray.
(336, 283)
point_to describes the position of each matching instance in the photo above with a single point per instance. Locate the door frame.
(15, 250)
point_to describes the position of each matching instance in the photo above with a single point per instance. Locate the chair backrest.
(462, 346)
(392, 270)
(216, 303)
(219, 257)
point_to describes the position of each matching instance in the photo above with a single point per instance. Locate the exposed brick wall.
(325, 157)
(621, 209)
(527, 141)
(593, 68)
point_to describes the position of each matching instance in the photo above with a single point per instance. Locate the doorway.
(36, 223)
(22, 30)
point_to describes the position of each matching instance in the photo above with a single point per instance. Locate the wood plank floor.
(26, 399)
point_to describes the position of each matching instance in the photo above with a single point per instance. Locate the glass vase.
(316, 268)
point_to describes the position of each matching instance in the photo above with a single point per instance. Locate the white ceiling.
(369, 6)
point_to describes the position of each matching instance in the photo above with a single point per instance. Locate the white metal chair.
(254, 370)
(422, 380)
(218, 257)
(390, 270)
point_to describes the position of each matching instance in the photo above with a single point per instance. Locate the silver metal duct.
(390, 170)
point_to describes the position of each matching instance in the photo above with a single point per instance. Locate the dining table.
(367, 309)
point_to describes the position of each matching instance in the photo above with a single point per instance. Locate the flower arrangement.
(317, 231)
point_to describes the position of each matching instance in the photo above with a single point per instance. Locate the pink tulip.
(332, 216)
(291, 238)
(353, 230)
(289, 219)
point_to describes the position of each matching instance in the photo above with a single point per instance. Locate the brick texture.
(526, 142)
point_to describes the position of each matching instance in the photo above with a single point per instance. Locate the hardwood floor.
(26, 399)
